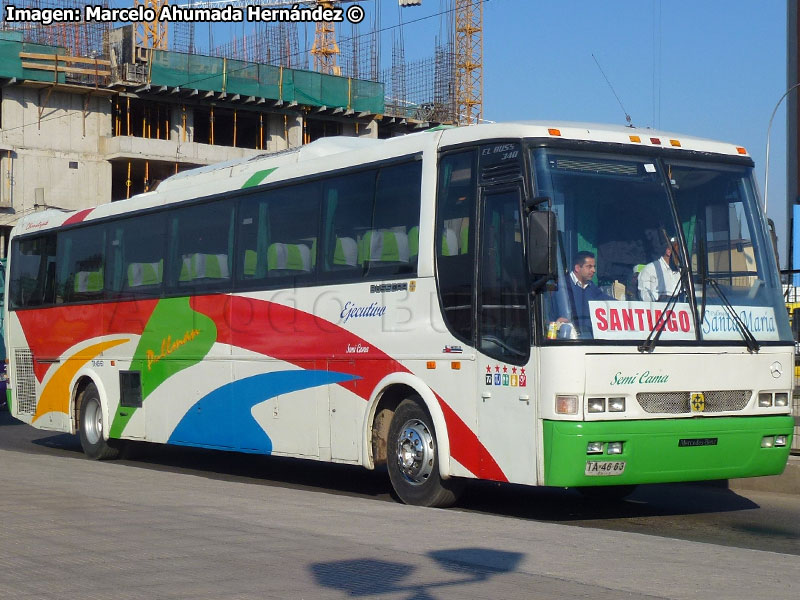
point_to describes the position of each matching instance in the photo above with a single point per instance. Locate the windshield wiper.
(655, 333)
(749, 338)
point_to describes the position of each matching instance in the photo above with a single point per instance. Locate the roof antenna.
(627, 116)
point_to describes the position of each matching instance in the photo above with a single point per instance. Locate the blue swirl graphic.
(223, 419)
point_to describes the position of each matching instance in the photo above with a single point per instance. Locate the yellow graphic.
(168, 347)
(698, 402)
(56, 394)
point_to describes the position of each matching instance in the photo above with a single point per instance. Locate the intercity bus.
(409, 304)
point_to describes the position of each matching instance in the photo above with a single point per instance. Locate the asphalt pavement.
(74, 528)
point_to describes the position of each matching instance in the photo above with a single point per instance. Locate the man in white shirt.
(658, 279)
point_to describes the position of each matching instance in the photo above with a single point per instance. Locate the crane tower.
(469, 61)
(152, 34)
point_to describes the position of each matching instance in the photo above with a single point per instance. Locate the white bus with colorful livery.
(453, 304)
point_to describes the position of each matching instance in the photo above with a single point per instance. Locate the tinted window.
(391, 246)
(80, 270)
(278, 235)
(454, 241)
(201, 246)
(348, 217)
(33, 271)
(135, 259)
(503, 294)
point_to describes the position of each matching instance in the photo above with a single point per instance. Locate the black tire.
(412, 459)
(607, 493)
(92, 427)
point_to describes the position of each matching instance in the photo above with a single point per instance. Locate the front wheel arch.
(391, 390)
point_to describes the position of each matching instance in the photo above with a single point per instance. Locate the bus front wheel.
(412, 460)
(93, 442)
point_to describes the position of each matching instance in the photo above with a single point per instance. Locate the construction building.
(91, 114)
(75, 134)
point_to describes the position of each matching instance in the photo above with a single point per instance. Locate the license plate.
(605, 467)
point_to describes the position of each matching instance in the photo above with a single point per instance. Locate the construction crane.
(325, 49)
(468, 59)
(152, 34)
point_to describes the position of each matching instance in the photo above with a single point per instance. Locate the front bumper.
(653, 453)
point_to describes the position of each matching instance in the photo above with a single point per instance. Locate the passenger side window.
(348, 217)
(136, 253)
(455, 245)
(33, 271)
(80, 270)
(201, 246)
(391, 246)
(278, 232)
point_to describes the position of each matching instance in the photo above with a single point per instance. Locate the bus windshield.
(642, 238)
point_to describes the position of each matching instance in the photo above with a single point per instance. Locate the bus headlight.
(780, 441)
(567, 405)
(781, 399)
(614, 448)
(768, 441)
(764, 400)
(594, 448)
(596, 405)
(616, 405)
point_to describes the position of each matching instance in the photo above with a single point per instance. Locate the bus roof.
(332, 153)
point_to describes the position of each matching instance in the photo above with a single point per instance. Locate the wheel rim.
(93, 422)
(415, 452)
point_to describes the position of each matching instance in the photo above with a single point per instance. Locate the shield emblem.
(697, 402)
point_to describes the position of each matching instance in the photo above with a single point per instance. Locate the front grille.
(678, 402)
(25, 384)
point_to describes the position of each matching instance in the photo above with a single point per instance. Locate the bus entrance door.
(506, 408)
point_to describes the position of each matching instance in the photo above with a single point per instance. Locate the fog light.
(780, 441)
(782, 399)
(567, 405)
(616, 405)
(596, 405)
(594, 448)
(768, 441)
(614, 448)
(764, 400)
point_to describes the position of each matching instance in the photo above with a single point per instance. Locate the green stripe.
(257, 177)
(652, 455)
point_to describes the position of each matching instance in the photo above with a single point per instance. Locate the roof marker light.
(655, 141)
(635, 138)
(554, 131)
(741, 150)
(675, 143)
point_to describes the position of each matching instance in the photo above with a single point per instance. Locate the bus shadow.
(541, 504)
(371, 578)
(561, 505)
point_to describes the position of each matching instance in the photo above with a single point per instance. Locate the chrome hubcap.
(93, 422)
(415, 452)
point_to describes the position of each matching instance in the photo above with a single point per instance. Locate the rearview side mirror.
(542, 237)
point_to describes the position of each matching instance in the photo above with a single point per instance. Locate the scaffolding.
(81, 38)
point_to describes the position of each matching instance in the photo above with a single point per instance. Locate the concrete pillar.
(276, 133)
(176, 132)
(295, 127)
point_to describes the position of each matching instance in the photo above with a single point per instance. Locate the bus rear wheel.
(412, 461)
(91, 432)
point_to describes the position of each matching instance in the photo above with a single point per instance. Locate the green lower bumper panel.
(663, 450)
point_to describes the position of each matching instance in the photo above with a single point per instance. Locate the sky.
(709, 68)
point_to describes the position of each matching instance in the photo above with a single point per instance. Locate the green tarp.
(11, 63)
(209, 73)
